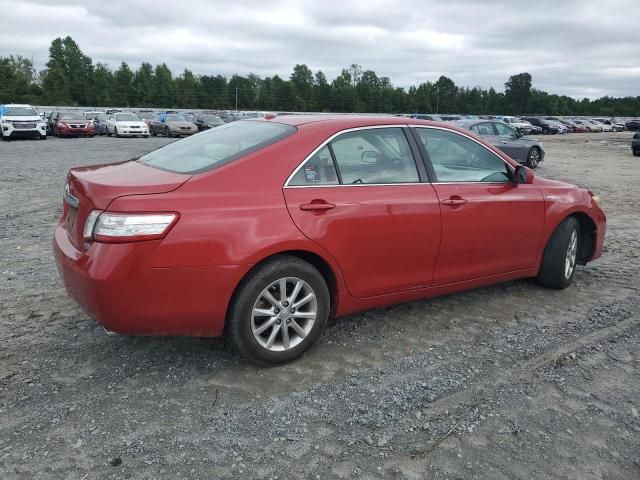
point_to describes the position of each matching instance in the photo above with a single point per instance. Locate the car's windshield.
(211, 118)
(216, 146)
(174, 118)
(18, 111)
(127, 117)
(71, 116)
(146, 115)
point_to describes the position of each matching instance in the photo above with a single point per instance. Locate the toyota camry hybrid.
(263, 229)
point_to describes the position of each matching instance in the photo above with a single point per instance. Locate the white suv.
(21, 121)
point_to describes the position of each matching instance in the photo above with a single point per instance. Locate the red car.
(262, 229)
(73, 125)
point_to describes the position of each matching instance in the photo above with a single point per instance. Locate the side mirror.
(524, 175)
(369, 156)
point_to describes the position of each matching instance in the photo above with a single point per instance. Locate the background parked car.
(522, 126)
(633, 124)
(205, 121)
(146, 116)
(615, 125)
(21, 121)
(72, 124)
(635, 144)
(126, 125)
(100, 122)
(544, 125)
(603, 126)
(172, 124)
(524, 150)
(421, 116)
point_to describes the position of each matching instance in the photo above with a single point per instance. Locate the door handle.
(454, 201)
(317, 205)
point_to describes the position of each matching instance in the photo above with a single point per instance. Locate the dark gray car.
(522, 149)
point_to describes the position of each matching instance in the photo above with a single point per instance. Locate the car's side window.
(375, 156)
(318, 170)
(505, 130)
(456, 158)
(484, 129)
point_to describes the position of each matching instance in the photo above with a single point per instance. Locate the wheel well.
(587, 236)
(314, 259)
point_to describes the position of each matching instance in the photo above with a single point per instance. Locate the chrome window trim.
(370, 127)
(328, 140)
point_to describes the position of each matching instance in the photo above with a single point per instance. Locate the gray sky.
(579, 48)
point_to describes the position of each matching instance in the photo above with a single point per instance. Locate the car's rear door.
(364, 198)
(490, 225)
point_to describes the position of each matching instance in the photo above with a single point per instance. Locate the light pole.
(236, 99)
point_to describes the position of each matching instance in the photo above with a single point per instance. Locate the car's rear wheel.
(533, 159)
(115, 132)
(561, 255)
(279, 311)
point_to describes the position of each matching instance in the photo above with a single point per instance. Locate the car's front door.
(361, 198)
(490, 225)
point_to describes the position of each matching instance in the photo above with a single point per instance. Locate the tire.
(43, 137)
(153, 132)
(533, 158)
(167, 132)
(301, 280)
(108, 132)
(115, 132)
(560, 255)
(636, 153)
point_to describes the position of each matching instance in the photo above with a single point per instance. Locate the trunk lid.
(95, 187)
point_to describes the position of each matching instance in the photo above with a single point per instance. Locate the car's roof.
(17, 105)
(348, 121)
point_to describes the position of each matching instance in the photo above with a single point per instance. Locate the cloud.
(578, 49)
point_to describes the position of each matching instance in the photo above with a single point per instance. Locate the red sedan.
(262, 229)
(73, 125)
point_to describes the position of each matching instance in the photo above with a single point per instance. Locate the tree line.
(70, 78)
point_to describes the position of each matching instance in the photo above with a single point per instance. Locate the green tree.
(517, 93)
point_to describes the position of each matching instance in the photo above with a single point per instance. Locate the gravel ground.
(510, 381)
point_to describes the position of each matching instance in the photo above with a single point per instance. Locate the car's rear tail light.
(110, 227)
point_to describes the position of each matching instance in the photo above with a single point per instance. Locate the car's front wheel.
(279, 311)
(561, 255)
(533, 159)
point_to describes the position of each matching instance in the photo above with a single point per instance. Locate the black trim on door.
(423, 156)
(414, 145)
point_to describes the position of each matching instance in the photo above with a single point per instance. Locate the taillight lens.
(109, 227)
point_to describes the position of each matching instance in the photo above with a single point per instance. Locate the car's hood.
(19, 118)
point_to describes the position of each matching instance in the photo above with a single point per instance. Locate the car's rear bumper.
(116, 284)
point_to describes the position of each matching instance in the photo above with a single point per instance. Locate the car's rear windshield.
(216, 147)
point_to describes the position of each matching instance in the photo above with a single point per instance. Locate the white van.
(21, 121)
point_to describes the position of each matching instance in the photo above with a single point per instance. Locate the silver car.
(523, 150)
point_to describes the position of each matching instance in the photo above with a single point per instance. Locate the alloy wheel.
(570, 257)
(284, 314)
